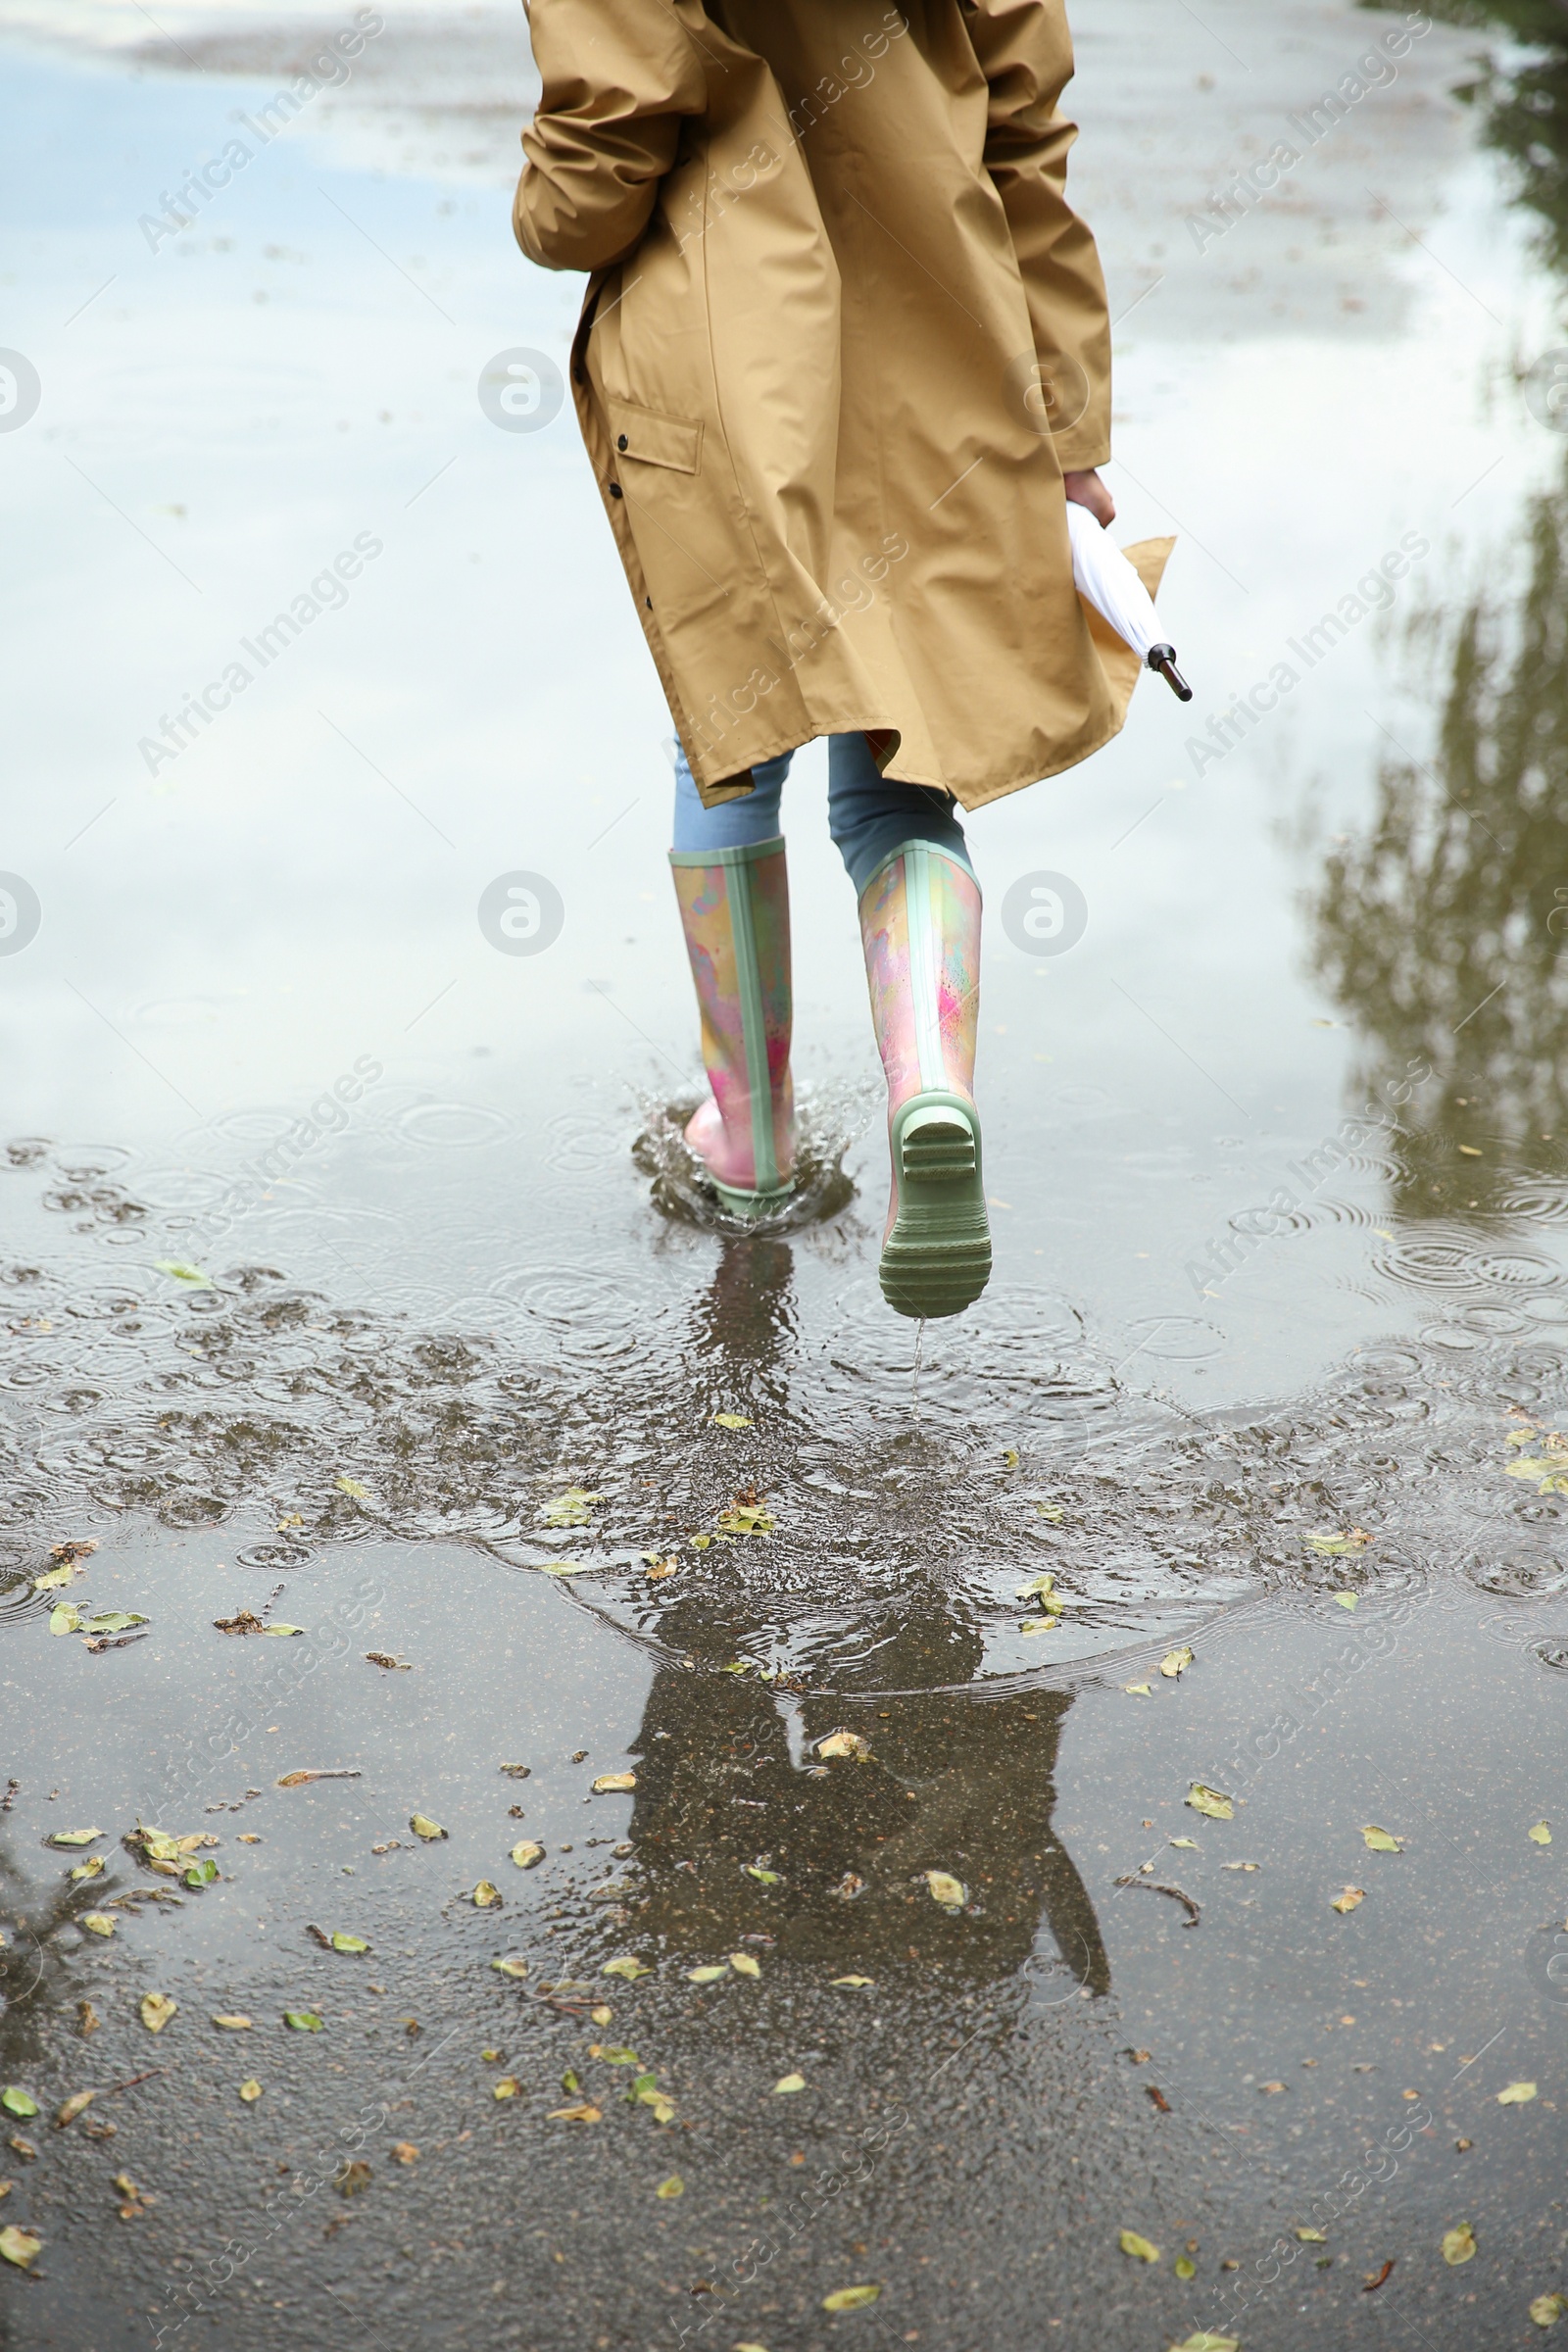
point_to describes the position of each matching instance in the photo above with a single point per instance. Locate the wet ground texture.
(563, 1781)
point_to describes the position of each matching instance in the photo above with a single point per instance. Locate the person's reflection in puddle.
(730, 1782)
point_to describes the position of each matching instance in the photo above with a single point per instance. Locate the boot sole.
(937, 1259)
(753, 1205)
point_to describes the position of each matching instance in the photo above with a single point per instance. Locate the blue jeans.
(869, 817)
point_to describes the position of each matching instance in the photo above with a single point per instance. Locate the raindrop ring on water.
(1550, 1966)
(1050, 395)
(1545, 390)
(21, 912)
(521, 390)
(1045, 915)
(521, 914)
(19, 390)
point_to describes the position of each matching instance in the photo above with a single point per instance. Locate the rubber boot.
(735, 912)
(920, 926)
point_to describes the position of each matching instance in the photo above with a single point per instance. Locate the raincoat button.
(616, 490)
(623, 443)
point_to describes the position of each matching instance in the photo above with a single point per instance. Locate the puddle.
(336, 1249)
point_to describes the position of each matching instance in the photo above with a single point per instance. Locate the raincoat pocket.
(644, 435)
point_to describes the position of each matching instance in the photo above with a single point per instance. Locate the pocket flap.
(642, 433)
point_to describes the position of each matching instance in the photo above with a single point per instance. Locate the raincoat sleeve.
(618, 78)
(1025, 52)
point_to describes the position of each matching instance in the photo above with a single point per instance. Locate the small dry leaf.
(19, 2246)
(1138, 1690)
(232, 2022)
(1541, 1835)
(947, 1891)
(99, 1923)
(1548, 2310)
(1191, 1843)
(73, 1836)
(485, 1894)
(1185, 2267)
(706, 1976)
(850, 2298)
(352, 1485)
(423, 1826)
(87, 2020)
(355, 2176)
(585, 2114)
(404, 2151)
(73, 2107)
(844, 1743)
(784, 2084)
(384, 1657)
(675, 2187)
(1517, 2094)
(613, 1784)
(506, 2088)
(853, 1981)
(155, 2011)
(1311, 2237)
(1176, 1662)
(1349, 1899)
(250, 2091)
(1139, 2248)
(527, 1852)
(1270, 2087)
(1211, 1801)
(1459, 2244)
(744, 1965)
(1380, 1841)
(732, 1421)
(17, 2101)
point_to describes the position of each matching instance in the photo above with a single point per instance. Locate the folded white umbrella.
(1102, 574)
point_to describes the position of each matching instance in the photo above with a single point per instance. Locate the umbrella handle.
(1163, 659)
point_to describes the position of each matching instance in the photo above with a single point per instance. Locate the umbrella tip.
(1163, 659)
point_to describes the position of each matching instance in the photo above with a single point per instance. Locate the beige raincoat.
(843, 336)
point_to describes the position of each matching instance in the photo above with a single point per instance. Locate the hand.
(1087, 490)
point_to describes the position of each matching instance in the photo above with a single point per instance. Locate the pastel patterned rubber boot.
(920, 927)
(735, 912)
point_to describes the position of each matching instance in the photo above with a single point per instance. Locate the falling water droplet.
(919, 1342)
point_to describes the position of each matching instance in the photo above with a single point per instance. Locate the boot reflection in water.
(921, 924)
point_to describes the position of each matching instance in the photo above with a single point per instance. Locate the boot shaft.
(920, 928)
(735, 913)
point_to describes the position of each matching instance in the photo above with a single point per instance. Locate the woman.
(844, 354)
